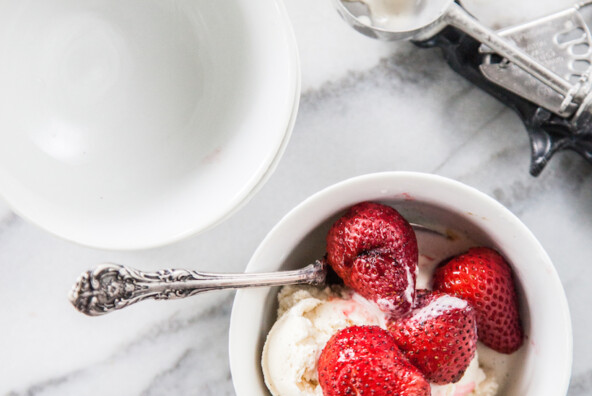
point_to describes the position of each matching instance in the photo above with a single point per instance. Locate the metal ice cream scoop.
(541, 69)
(442, 13)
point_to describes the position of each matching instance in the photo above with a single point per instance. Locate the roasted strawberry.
(374, 250)
(485, 280)
(364, 360)
(439, 336)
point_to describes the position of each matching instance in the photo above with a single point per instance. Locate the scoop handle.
(458, 17)
(111, 287)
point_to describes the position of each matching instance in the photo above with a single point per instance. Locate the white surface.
(367, 106)
(542, 366)
(117, 116)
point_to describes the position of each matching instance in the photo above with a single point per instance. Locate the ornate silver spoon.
(110, 287)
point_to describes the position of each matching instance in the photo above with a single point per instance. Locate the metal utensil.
(110, 287)
(562, 43)
(541, 69)
(449, 13)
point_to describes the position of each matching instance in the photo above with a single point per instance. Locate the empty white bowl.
(543, 364)
(131, 124)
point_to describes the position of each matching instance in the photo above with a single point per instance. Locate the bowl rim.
(322, 197)
(239, 200)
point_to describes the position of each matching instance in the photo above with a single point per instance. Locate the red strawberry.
(374, 250)
(439, 336)
(364, 360)
(484, 279)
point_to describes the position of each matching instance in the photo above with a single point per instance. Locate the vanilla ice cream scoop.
(308, 317)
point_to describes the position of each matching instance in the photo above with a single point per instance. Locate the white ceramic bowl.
(131, 124)
(545, 359)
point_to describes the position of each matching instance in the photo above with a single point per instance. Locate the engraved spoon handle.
(110, 287)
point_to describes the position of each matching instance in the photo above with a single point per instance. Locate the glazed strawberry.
(374, 250)
(439, 336)
(484, 279)
(364, 360)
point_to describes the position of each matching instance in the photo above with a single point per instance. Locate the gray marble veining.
(399, 108)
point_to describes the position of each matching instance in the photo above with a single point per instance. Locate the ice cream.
(308, 317)
(477, 381)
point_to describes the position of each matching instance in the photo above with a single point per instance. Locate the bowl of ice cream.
(277, 354)
(132, 124)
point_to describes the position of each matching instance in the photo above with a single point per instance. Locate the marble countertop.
(366, 106)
